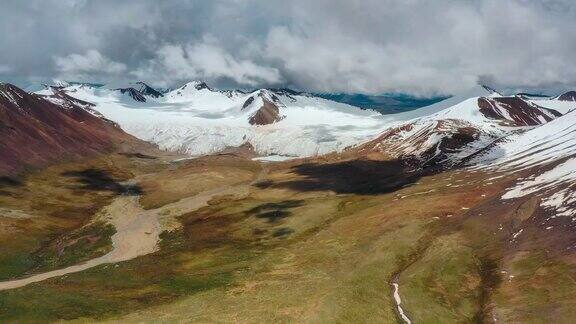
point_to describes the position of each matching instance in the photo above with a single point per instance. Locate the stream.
(398, 301)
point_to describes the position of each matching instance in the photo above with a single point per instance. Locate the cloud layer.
(371, 46)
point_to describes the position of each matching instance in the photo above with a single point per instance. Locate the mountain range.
(476, 129)
(208, 200)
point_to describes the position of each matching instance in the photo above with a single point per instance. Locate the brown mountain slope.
(36, 130)
(267, 114)
(516, 111)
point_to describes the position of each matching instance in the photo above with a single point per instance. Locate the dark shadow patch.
(275, 212)
(286, 204)
(274, 216)
(263, 184)
(283, 232)
(362, 177)
(7, 183)
(139, 156)
(248, 102)
(100, 180)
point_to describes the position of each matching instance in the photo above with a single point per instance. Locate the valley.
(313, 243)
(225, 161)
(449, 228)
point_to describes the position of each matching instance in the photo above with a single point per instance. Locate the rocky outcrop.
(516, 111)
(441, 142)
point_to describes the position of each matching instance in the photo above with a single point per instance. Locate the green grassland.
(302, 245)
(59, 203)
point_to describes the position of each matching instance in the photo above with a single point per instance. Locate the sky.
(418, 47)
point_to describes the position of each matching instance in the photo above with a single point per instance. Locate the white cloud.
(416, 46)
(423, 47)
(207, 60)
(90, 62)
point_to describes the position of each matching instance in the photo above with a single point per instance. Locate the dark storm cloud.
(368, 46)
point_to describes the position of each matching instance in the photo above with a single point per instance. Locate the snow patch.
(274, 158)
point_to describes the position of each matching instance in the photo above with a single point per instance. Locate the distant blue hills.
(385, 103)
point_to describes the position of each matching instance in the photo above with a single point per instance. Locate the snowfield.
(197, 120)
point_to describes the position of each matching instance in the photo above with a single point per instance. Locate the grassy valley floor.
(311, 241)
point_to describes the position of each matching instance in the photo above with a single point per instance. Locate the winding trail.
(137, 230)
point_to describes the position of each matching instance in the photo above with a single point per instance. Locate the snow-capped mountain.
(264, 108)
(198, 120)
(133, 93)
(528, 142)
(449, 135)
(563, 103)
(198, 93)
(147, 90)
(542, 162)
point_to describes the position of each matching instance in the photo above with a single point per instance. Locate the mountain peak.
(269, 95)
(491, 90)
(5, 86)
(198, 85)
(568, 96)
(133, 93)
(11, 93)
(60, 83)
(148, 90)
